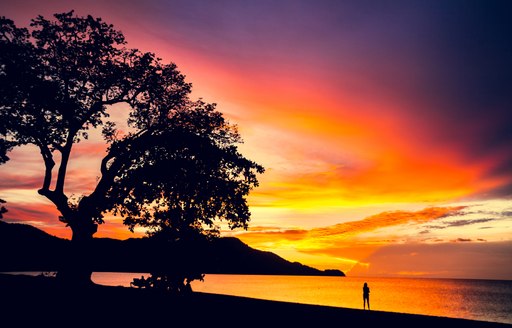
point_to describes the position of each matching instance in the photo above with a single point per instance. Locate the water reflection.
(487, 300)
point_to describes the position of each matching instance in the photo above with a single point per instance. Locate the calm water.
(487, 300)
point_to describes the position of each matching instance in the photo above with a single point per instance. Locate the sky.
(384, 126)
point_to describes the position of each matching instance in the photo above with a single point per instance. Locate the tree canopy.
(178, 173)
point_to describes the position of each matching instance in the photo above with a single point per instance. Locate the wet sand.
(39, 301)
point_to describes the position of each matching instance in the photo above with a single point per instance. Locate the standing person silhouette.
(366, 296)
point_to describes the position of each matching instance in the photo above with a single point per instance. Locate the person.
(187, 289)
(366, 296)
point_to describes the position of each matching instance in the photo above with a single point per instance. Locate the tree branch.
(59, 199)
(95, 203)
(66, 152)
(6, 37)
(49, 163)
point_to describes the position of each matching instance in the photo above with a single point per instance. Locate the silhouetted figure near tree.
(366, 296)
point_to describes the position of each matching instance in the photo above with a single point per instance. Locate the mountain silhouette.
(26, 248)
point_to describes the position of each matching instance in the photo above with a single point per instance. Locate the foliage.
(178, 173)
(177, 285)
(2, 208)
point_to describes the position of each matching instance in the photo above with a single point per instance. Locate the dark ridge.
(26, 248)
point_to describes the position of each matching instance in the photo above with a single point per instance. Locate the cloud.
(25, 169)
(462, 240)
(489, 260)
(41, 212)
(351, 228)
(11, 180)
(435, 128)
(435, 226)
(344, 240)
(45, 217)
(388, 219)
(458, 223)
(258, 237)
(356, 241)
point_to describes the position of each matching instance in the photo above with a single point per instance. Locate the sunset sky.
(385, 127)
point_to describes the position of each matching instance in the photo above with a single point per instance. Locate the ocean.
(484, 300)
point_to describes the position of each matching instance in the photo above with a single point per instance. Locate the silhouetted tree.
(2, 208)
(3, 158)
(178, 173)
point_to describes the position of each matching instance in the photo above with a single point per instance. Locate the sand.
(40, 301)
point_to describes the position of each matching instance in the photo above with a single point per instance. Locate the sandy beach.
(28, 301)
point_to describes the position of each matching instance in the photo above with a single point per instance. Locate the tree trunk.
(76, 269)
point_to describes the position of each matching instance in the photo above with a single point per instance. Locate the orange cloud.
(336, 174)
(341, 242)
(385, 219)
(340, 239)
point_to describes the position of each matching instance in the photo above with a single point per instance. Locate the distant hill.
(26, 248)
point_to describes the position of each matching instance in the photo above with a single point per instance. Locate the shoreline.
(40, 300)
